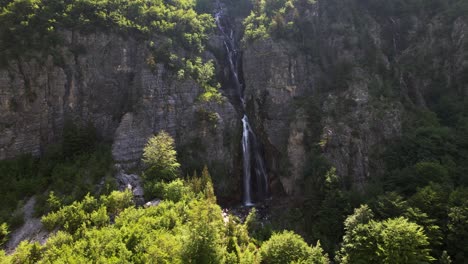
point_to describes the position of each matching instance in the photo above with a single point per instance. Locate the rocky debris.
(241, 212)
(131, 182)
(32, 229)
(152, 203)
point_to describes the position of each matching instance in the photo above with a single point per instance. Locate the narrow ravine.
(255, 177)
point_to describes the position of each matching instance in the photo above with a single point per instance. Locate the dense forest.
(413, 208)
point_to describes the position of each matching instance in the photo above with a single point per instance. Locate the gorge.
(328, 114)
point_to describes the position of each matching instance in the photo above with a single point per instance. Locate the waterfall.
(251, 156)
(247, 197)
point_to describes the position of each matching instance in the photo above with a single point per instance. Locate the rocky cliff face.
(340, 92)
(345, 87)
(351, 121)
(105, 79)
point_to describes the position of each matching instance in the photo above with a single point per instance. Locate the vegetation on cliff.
(424, 171)
(415, 212)
(175, 32)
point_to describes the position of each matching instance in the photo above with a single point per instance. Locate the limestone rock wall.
(105, 79)
(359, 74)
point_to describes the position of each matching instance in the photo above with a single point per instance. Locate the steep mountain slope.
(127, 77)
(339, 79)
(347, 102)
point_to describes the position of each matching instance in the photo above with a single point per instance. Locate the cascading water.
(247, 199)
(252, 158)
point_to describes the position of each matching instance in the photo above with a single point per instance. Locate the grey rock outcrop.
(104, 79)
(131, 182)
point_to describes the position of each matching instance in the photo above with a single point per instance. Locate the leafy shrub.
(288, 247)
(3, 257)
(394, 240)
(88, 212)
(175, 191)
(27, 252)
(205, 226)
(117, 201)
(270, 17)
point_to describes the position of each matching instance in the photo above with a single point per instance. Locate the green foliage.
(278, 19)
(34, 29)
(69, 178)
(317, 256)
(202, 241)
(32, 23)
(176, 191)
(324, 219)
(204, 74)
(53, 202)
(361, 216)
(78, 139)
(256, 229)
(4, 259)
(187, 230)
(71, 217)
(3, 233)
(18, 181)
(394, 240)
(288, 247)
(428, 151)
(160, 158)
(423, 168)
(88, 212)
(208, 190)
(203, 185)
(27, 252)
(270, 17)
(457, 228)
(117, 201)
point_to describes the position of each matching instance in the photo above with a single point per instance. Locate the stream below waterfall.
(255, 177)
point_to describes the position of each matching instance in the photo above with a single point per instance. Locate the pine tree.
(160, 158)
(208, 185)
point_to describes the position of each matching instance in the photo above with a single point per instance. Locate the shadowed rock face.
(342, 72)
(105, 79)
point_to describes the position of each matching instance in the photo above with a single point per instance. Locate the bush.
(117, 201)
(4, 258)
(394, 240)
(88, 212)
(288, 247)
(175, 191)
(27, 252)
(202, 242)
